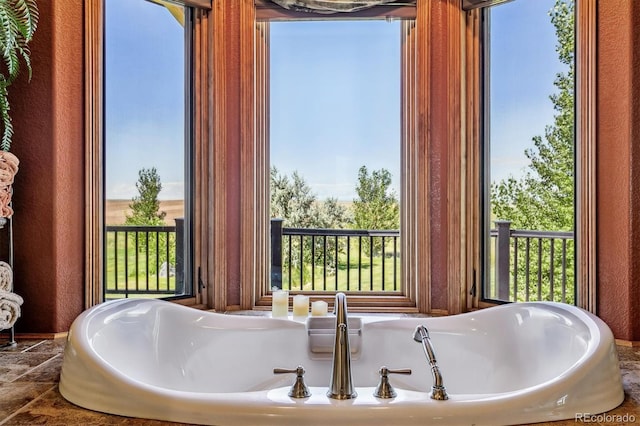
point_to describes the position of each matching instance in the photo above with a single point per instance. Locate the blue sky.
(144, 105)
(335, 96)
(335, 101)
(525, 66)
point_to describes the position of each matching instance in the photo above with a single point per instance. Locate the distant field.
(116, 211)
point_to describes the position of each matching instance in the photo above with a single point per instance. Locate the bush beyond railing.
(532, 265)
(524, 265)
(334, 259)
(144, 261)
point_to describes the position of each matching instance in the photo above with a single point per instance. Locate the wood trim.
(409, 187)
(456, 191)
(262, 161)
(476, 4)
(418, 108)
(41, 336)
(202, 4)
(218, 272)
(586, 235)
(357, 302)
(94, 218)
(203, 158)
(411, 213)
(586, 172)
(251, 211)
(94, 147)
(628, 343)
(472, 157)
(188, 301)
(422, 259)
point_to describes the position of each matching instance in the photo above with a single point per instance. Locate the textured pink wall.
(49, 189)
(618, 163)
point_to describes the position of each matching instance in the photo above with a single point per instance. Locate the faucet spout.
(341, 385)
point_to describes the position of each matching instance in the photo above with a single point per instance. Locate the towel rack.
(8, 223)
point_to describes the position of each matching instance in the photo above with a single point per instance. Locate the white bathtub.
(512, 364)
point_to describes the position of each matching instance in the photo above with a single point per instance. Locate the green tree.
(543, 198)
(145, 212)
(293, 201)
(145, 206)
(377, 205)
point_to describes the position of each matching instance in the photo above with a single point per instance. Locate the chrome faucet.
(438, 391)
(341, 385)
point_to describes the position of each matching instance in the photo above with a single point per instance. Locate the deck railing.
(334, 259)
(532, 265)
(525, 265)
(144, 261)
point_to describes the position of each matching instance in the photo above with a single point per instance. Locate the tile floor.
(29, 375)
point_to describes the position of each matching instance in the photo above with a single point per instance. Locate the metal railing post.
(502, 258)
(179, 274)
(276, 253)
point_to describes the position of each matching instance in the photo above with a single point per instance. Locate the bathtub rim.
(598, 330)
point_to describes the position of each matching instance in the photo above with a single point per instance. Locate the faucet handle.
(299, 388)
(384, 388)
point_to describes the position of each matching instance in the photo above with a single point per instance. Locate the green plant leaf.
(18, 23)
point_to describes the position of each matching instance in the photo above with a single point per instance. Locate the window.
(147, 149)
(529, 207)
(400, 247)
(440, 163)
(335, 142)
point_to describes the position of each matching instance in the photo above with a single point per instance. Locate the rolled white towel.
(6, 276)
(9, 309)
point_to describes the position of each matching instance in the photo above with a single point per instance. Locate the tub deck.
(512, 364)
(31, 373)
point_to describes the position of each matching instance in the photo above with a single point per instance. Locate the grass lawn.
(366, 277)
(120, 270)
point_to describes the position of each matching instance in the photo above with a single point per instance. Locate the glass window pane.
(530, 151)
(335, 141)
(146, 236)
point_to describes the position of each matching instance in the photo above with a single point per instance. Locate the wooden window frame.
(432, 119)
(94, 151)
(442, 30)
(370, 301)
(586, 173)
(585, 155)
(94, 146)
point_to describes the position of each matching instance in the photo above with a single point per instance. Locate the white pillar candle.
(319, 308)
(279, 303)
(300, 305)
